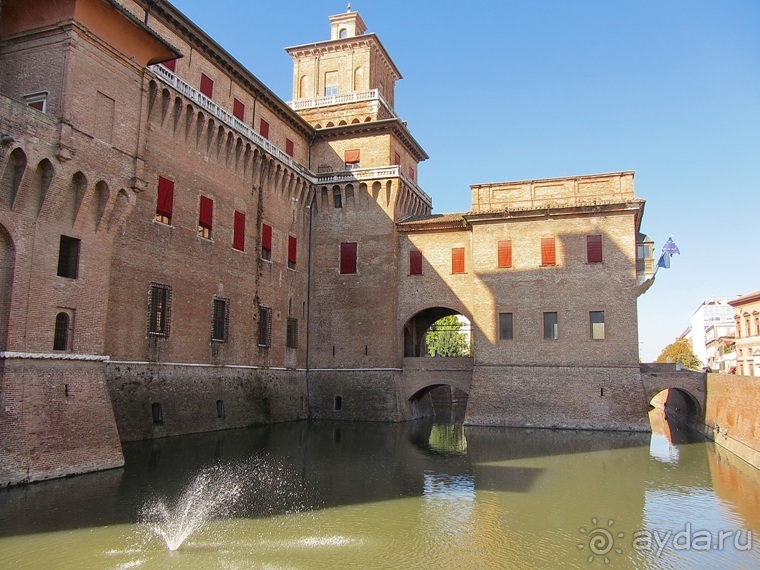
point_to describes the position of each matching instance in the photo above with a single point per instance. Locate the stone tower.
(365, 160)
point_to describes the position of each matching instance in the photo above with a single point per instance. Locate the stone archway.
(420, 323)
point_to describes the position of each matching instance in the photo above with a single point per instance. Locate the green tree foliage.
(445, 339)
(680, 351)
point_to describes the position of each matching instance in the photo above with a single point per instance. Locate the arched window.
(61, 336)
(343, 33)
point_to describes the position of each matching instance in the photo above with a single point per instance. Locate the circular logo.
(600, 540)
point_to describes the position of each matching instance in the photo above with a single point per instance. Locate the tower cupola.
(347, 25)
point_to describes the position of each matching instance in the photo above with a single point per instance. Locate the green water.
(414, 495)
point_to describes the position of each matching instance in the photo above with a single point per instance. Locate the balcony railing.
(358, 174)
(329, 100)
(169, 78)
(227, 118)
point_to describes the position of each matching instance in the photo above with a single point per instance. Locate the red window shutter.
(289, 147)
(505, 253)
(396, 159)
(353, 156)
(238, 110)
(348, 258)
(457, 260)
(594, 249)
(165, 203)
(206, 215)
(171, 65)
(207, 85)
(266, 237)
(292, 249)
(548, 251)
(411, 173)
(415, 262)
(39, 105)
(238, 231)
(264, 129)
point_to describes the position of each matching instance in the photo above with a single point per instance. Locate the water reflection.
(422, 494)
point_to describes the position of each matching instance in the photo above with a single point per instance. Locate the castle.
(182, 251)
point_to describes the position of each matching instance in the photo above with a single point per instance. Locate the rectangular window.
(290, 147)
(68, 257)
(205, 217)
(337, 198)
(264, 129)
(548, 251)
(238, 231)
(457, 260)
(165, 202)
(551, 326)
(396, 159)
(292, 333)
(505, 326)
(415, 262)
(238, 109)
(171, 65)
(331, 83)
(292, 251)
(504, 255)
(266, 242)
(596, 320)
(411, 173)
(265, 326)
(348, 258)
(159, 304)
(353, 159)
(594, 249)
(220, 319)
(207, 85)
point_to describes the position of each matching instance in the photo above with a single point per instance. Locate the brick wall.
(189, 397)
(55, 420)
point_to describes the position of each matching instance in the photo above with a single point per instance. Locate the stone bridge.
(424, 373)
(692, 386)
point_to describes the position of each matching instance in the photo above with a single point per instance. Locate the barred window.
(551, 326)
(220, 319)
(596, 320)
(292, 333)
(61, 336)
(159, 304)
(505, 326)
(265, 326)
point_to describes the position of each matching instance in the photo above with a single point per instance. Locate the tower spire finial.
(349, 8)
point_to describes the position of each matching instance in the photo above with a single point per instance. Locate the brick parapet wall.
(56, 419)
(189, 397)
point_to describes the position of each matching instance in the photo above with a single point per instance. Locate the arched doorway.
(438, 331)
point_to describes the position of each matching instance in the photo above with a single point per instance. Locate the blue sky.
(501, 90)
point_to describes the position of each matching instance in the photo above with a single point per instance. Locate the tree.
(680, 351)
(444, 338)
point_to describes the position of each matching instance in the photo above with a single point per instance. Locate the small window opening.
(158, 413)
(68, 257)
(220, 409)
(338, 403)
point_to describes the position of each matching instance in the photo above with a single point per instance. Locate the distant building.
(747, 318)
(711, 324)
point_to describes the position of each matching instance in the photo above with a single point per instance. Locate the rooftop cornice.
(744, 299)
(558, 179)
(206, 45)
(613, 206)
(343, 44)
(395, 126)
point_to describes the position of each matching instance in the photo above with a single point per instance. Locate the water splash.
(211, 494)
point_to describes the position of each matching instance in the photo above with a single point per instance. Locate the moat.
(412, 495)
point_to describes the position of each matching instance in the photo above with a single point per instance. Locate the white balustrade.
(233, 122)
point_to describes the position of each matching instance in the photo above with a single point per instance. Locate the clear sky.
(500, 90)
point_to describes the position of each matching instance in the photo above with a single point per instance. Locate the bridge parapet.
(424, 372)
